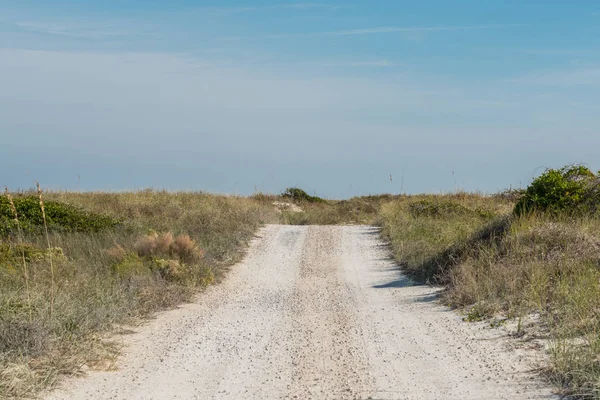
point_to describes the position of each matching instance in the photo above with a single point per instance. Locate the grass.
(429, 233)
(108, 259)
(119, 257)
(357, 210)
(88, 262)
(494, 263)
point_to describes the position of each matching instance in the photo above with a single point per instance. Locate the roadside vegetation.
(86, 265)
(108, 259)
(529, 256)
(296, 207)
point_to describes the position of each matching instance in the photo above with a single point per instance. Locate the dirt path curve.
(314, 313)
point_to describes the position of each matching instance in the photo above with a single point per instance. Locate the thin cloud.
(576, 77)
(561, 52)
(101, 31)
(250, 9)
(367, 31)
(366, 63)
(376, 30)
(305, 6)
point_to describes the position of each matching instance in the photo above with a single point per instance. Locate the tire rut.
(329, 360)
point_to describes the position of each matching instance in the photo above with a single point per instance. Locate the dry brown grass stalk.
(20, 241)
(53, 281)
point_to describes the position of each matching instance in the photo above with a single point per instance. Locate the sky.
(341, 98)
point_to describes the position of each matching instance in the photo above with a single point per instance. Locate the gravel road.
(315, 312)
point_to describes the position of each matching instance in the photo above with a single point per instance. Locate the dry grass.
(429, 233)
(357, 210)
(497, 265)
(166, 248)
(551, 267)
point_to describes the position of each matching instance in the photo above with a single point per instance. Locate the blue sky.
(332, 96)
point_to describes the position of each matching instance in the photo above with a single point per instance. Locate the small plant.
(297, 194)
(128, 265)
(569, 189)
(171, 270)
(154, 244)
(478, 312)
(497, 322)
(185, 248)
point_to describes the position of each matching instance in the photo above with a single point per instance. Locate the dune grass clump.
(154, 244)
(175, 258)
(429, 234)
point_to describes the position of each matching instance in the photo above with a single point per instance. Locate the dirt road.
(314, 313)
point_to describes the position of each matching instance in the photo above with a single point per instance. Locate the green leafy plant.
(298, 194)
(569, 189)
(60, 217)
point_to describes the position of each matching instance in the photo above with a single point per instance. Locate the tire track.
(329, 360)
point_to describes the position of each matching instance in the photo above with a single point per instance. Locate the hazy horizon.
(330, 96)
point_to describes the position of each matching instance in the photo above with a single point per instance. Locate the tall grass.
(428, 233)
(13, 208)
(357, 210)
(163, 248)
(87, 262)
(52, 281)
(495, 264)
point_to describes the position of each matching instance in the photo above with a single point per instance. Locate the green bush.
(300, 195)
(60, 217)
(569, 189)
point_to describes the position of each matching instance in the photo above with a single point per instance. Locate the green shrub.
(569, 189)
(60, 217)
(130, 265)
(13, 253)
(300, 195)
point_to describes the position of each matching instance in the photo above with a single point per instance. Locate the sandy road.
(314, 313)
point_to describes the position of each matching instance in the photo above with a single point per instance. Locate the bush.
(569, 189)
(60, 217)
(154, 244)
(12, 254)
(300, 195)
